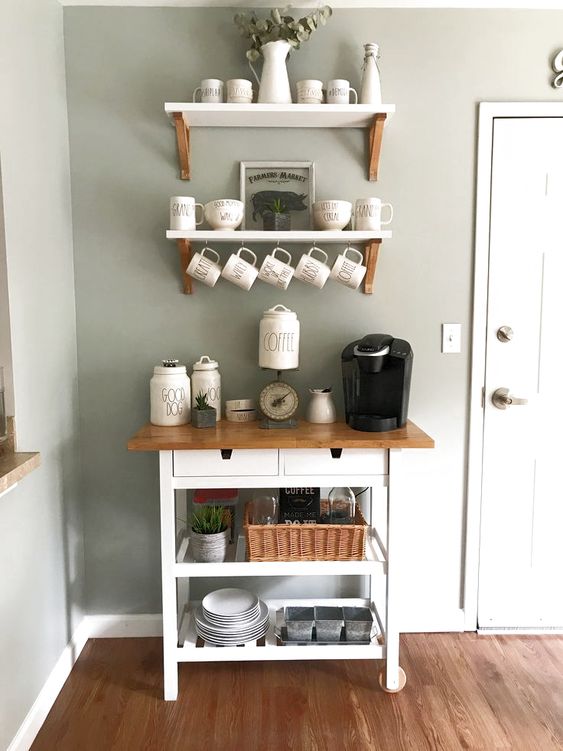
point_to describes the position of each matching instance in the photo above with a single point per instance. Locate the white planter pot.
(209, 548)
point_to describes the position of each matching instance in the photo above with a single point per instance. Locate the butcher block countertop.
(232, 435)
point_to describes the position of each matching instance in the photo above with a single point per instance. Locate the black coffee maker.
(376, 371)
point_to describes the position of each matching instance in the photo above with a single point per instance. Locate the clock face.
(279, 401)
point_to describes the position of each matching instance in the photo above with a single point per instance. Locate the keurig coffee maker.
(376, 371)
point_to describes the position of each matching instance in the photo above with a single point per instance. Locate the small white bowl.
(331, 215)
(224, 213)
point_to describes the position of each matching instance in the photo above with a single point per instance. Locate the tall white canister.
(278, 346)
(170, 394)
(206, 378)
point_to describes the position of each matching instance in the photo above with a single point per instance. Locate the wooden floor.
(463, 692)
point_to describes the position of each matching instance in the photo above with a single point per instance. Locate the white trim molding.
(340, 4)
(91, 627)
(46, 698)
(118, 626)
(488, 111)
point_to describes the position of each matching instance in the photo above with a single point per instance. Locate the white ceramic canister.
(278, 346)
(206, 378)
(170, 394)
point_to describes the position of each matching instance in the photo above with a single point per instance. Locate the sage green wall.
(122, 65)
(41, 551)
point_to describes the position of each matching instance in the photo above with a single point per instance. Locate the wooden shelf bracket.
(183, 139)
(375, 139)
(371, 256)
(185, 251)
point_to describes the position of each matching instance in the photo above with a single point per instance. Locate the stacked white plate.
(231, 616)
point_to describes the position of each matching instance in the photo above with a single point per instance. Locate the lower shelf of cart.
(193, 649)
(237, 565)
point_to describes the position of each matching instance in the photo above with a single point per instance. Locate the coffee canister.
(207, 379)
(278, 346)
(170, 394)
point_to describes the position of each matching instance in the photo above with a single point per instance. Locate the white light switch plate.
(451, 338)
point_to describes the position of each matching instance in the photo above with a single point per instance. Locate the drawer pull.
(226, 453)
(336, 453)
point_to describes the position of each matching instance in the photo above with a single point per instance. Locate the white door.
(521, 550)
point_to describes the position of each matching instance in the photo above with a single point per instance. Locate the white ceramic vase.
(321, 408)
(274, 84)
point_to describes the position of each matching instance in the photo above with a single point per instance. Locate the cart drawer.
(217, 463)
(334, 461)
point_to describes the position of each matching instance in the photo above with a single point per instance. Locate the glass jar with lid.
(342, 506)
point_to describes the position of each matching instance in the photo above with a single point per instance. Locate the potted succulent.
(203, 416)
(273, 38)
(210, 533)
(276, 216)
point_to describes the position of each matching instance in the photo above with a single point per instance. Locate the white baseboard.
(91, 627)
(118, 626)
(433, 621)
(42, 705)
(517, 631)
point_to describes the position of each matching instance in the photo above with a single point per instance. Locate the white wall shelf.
(185, 115)
(294, 236)
(278, 115)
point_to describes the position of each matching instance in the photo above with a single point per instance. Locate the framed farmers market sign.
(277, 186)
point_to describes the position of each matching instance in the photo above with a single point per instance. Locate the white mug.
(239, 91)
(183, 211)
(276, 272)
(338, 92)
(367, 213)
(203, 269)
(309, 91)
(240, 272)
(347, 272)
(312, 271)
(224, 213)
(211, 90)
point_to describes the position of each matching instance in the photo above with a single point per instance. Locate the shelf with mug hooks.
(185, 115)
(370, 239)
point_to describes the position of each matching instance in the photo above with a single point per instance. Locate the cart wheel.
(402, 681)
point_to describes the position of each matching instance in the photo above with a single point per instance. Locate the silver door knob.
(502, 399)
(505, 334)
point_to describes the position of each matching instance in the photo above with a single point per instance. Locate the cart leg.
(169, 593)
(391, 625)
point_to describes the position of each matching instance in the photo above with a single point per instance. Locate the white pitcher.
(274, 85)
(321, 408)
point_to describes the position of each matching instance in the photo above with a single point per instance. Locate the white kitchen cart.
(244, 456)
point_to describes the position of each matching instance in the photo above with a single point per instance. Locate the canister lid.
(206, 363)
(280, 311)
(170, 369)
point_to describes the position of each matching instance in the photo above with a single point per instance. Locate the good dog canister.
(170, 394)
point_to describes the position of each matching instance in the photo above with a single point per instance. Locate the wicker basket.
(305, 542)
